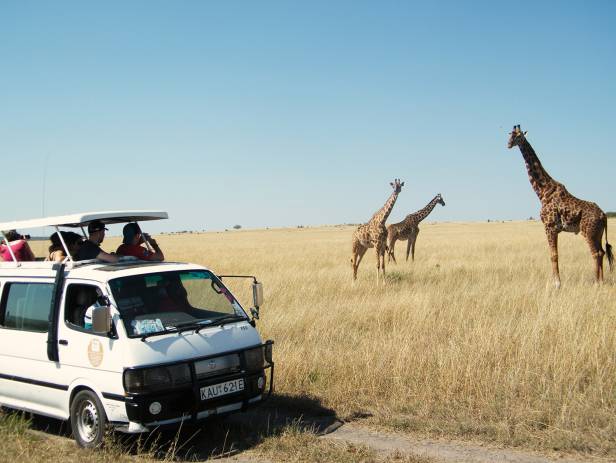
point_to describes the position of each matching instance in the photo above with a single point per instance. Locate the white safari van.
(168, 341)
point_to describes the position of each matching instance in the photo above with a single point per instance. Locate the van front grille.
(217, 366)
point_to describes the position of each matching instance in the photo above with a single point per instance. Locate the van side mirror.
(257, 301)
(257, 294)
(101, 320)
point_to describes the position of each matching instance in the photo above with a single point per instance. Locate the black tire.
(88, 419)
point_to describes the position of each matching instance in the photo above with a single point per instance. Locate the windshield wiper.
(167, 330)
(197, 326)
(187, 326)
(222, 321)
(177, 328)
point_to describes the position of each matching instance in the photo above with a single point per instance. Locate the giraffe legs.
(380, 260)
(552, 236)
(411, 246)
(596, 251)
(358, 254)
(599, 271)
(359, 250)
(390, 250)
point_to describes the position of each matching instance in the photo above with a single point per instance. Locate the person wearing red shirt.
(131, 244)
(19, 246)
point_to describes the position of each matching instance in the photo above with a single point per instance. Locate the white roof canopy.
(82, 219)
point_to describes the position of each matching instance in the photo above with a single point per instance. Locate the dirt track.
(386, 443)
(440, 450)
(243, 431)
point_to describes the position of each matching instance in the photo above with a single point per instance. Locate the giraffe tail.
(608, 249)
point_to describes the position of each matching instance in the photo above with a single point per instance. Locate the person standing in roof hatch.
(90, 249)
(131, 244)
(57, 253)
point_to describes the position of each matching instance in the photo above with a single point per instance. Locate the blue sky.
(288, 113)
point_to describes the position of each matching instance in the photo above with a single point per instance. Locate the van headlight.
(267, 350)
(254, 358)
(157, 378)
(259, 357)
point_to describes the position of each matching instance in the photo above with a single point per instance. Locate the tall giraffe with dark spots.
(374, 234)
(561, 211)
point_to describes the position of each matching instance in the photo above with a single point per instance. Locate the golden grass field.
(470, 340)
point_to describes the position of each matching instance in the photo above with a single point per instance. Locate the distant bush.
(611, 214)
(237, 227)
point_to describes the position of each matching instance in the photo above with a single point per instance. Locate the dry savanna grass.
(469, 340)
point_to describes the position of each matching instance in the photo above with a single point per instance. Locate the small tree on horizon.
(237, 227)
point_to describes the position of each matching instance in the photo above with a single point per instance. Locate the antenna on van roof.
(44, 185)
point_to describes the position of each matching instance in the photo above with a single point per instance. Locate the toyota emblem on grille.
(212, 364)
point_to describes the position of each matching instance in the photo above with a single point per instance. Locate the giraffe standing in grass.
(561, 211)
(408, 229)
(374, 234)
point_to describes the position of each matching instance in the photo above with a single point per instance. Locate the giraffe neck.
(425, 212)
(381, 215)
(539, 178)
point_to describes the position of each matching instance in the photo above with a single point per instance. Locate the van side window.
(78, 298)
(26, 306)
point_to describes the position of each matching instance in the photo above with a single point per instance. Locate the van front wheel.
(88, 419)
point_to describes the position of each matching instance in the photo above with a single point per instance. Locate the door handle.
(63, 342)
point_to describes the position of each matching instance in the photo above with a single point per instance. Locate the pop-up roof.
(83, 219)
(79, 221)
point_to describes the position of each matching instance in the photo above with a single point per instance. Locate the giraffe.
(561, 211)
(408, 229)
(374, 234)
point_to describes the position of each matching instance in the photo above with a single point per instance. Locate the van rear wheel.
(88, 419)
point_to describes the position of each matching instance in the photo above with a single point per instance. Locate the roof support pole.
(64, 246)
(52, 334)
(147, 245)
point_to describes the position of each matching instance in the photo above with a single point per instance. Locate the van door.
(87, 358)
(28, 379)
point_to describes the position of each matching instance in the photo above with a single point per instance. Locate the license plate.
(216, 390)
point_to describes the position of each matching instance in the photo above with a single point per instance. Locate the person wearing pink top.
(18, 245)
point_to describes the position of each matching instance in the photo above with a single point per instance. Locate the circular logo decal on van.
(95, 352)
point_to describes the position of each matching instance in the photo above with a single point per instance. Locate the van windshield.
(171, 301)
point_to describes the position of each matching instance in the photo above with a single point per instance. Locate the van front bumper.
(185, 404)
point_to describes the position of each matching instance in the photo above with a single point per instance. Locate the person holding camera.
(19, 246)
(131, 244)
